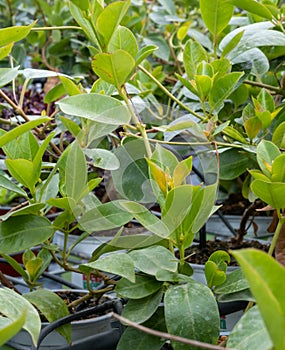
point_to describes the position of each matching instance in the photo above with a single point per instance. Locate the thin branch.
(266, 86)
(166, 335)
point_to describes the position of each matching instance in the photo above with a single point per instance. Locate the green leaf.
(13, 306)
(76, 173)
(23, 171)
(7, 75)
(278, 169)
(203, 85)
(16, 266)
(222, 88)
(252, 127)
(21, 129)
(143, 287)
(11, 328)
(216, 14)
(233, 163)
(266, 279)
(144, 52)
(5, 50)
(116, 68)
(28, 210)
(52, 307)
(82, 4)
(152, 259)
(253, 7)
(216, 267)
(250, 333)
(109, 19)
(96, 107)
(235, 282)
(278, 137)
(125, 40)
(54, 94)
(69, 86)
(140, 310)
(232, 44)
(11, 186)
(266, 101)
(71, 126)
(22, 232)
(118, 264)
(104, 217)
(103, 158)
(188, 304)
(181, 171)
(11, 34)
(266, 152)
(194, 53)
(272, 193)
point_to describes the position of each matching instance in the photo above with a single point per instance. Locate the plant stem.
(16, 108)
(169, 94)
(56, 27)
(164, 335)
(281, 221)
(139, 126)
(265, 86)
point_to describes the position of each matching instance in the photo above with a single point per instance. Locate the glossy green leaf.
(109, 19)
(216, 267)
(123, 39)
(16, 266)
(13, 306)
(104, 217)
(250, 333)
(116, 68)
(266, 153)
(222, 88)
(233, 163)
(235, 282)
(24, 146)
(266, 278)
(102, 158)
(119, 264)
(12, 34)
(203, 85)
(278, 137)
(5, 50)
(140, 310)
(23, 171)
(52, 307)
(253, 7)
(71, 126)
(21, 129)
(143, 287)
(194, 53)
(272, 193)
(22, 232)
(278, 169)
(28, 210)
(134, 339)
(54, 94)
(146, 218)
(235, 134)
(10, 328)
(96, 107)
(7, 75)
(76, 173)
(187, 304)
(152, 259)
(216, 14)
(144, 52)
(266, 100)
(221, 67)
(11, 186)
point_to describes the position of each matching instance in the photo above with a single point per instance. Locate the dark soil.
(195, 255)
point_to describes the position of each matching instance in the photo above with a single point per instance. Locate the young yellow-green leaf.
(278, 169)
(123, 39)
(11, 34)
(11, 328)
(109, 19)
(266, 100)
(14, 305)
(144, 52)
(278, 137)
(266, 152)
(235, 134)
(23, 171)
(21, 129)
(252, 127)
(181, 171)
(266, 278)
(11, 186)
(214, 276)
(82, 4)
(203, 85)
(216, 14)
(232, 43)
(69, 86)
(5, 50)
(116, 68)
(158, 175)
